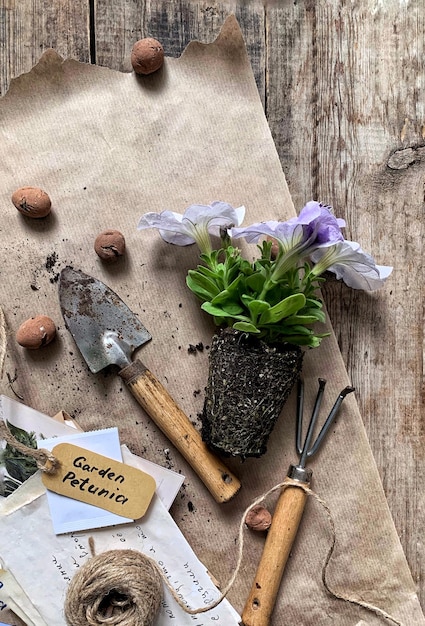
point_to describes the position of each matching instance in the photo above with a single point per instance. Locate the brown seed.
(36, 332)
(110, 245)
(147, 56)
(258, 518)
(32, 202)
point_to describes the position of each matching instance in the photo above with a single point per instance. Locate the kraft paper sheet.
(108, 147)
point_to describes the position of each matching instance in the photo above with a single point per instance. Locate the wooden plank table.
(342, 86)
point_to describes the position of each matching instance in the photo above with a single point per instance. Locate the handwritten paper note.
(51, 561)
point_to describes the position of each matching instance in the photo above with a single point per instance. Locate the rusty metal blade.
(105, 330)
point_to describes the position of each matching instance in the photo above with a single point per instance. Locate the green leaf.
(231, 293)
(318, 314)
(257, 307)
(206, 271)
(232, 308)
(313, 303)
(214, 310)
(301, 319)
(246, 267)
(200, 293)
(246, 327)
(282, 309)
(301, 330)
(299, 340)
(221, 297)
(202, 286)
(255, 282)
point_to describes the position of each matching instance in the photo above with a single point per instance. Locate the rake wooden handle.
(281, 535)
(168, 416)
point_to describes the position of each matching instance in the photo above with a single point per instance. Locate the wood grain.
(29, 27)
(345, 103)
(179, 430)
(287, 517)
(342, 85)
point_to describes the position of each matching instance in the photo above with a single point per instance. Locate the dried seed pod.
(110, 245)
(258, 518)
(32, 202)
(36, 332)
(147, 56)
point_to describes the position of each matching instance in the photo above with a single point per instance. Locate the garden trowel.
(107, 332)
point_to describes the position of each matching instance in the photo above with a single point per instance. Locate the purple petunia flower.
(314, 226)
(314, 234)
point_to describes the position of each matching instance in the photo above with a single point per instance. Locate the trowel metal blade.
(105, 330)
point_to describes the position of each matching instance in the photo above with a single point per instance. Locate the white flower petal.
(252, 233)
(353, 265)
(170, 227)
(384, 271)
(178, 239)
(240, 212)
(166, 219)
(197, 213)
(195, 224)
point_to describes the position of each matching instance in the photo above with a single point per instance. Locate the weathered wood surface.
(342, 85)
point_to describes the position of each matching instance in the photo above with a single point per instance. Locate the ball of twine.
(115, 587)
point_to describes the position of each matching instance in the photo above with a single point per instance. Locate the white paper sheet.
(23, 416)
(15, 599)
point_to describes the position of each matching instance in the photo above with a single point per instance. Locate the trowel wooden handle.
(168, 416)
(286, 519)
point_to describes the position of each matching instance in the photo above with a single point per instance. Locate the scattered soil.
(51, 261)
(192, 349)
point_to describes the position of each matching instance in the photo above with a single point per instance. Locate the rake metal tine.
(300, 410)
(329, 420)
(313, 420)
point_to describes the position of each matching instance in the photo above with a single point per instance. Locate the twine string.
(115, 587)
(289, 482)
(154, 574)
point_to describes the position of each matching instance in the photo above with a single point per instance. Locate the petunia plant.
(274, 297)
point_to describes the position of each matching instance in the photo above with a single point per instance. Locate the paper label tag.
(95, 479)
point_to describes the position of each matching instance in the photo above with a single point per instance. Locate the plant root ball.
(32, 202)
(36, 332)
(258, 518)
(110, 245)
(147, 56)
